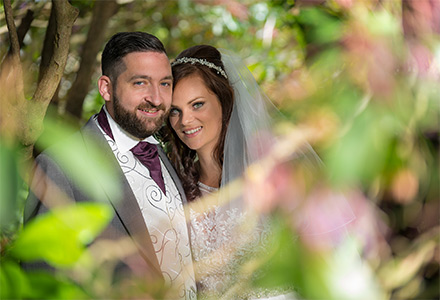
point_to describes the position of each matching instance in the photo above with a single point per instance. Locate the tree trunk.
(102, 12)
(22, 119)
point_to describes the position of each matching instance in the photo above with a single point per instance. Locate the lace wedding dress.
(223, 241)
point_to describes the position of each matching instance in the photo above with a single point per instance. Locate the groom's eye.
(166, 84)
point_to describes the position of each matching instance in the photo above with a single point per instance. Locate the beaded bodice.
(220, 245)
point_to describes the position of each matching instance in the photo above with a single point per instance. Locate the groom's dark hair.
(123, 43)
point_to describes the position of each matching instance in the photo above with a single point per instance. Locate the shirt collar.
(125, 141)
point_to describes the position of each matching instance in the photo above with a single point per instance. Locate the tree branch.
(102, 12)
(24, 26)
(65, 16)
(48, 44)
(14, 50)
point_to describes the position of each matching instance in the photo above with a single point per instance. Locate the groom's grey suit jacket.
(127, 220)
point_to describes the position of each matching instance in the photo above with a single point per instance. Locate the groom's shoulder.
(71, 141)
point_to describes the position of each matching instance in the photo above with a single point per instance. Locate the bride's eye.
(174, 112)
(198, 105)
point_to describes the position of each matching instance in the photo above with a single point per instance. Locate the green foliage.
(18, 284)
(353, 160)
(44, 285)
(59, 238)
(66, 232)
(290, 263)
(10, 187)
(319, 26)
(92, 104)
(12, 281)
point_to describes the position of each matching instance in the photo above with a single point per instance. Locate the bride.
(219, 125)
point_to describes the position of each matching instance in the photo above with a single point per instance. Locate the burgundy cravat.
(148, 155)
(145, 152)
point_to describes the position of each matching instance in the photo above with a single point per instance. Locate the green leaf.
(290, 263)
(10, 183)
(59, 237)
(13, 281)
(18, 284)
(359, 156)
(321, 27)
(46, 286)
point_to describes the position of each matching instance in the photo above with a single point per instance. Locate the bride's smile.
(191, 132)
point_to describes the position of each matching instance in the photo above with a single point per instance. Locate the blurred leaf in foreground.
(10, 185)
(81, 158)
(60, 236)
(17, 284)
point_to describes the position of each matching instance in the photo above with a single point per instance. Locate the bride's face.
(196, 114)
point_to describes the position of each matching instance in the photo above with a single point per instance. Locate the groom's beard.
(134, 125)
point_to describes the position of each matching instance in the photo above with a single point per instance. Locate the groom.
(136, 84)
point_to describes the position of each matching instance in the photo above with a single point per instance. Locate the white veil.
(249, 122)
(249, 139)
(250, 136)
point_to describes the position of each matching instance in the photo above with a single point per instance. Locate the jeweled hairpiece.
(192, 60)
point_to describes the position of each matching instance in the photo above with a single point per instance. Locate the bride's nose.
(187, 117)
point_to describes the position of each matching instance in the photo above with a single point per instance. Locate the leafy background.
(358, 80)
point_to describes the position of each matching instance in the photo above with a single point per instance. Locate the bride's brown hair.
(182, 157)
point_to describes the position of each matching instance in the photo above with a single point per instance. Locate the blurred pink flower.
(421, 60)
(421, 17)
(370, 60)
(368, 228)
(264, 189)
(327, 217)
(237, 9)
(345, 3)
(296, 86)
(323, 218)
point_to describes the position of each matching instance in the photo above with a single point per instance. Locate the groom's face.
(141, 100)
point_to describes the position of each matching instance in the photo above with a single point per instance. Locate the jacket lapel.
(126, 209)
